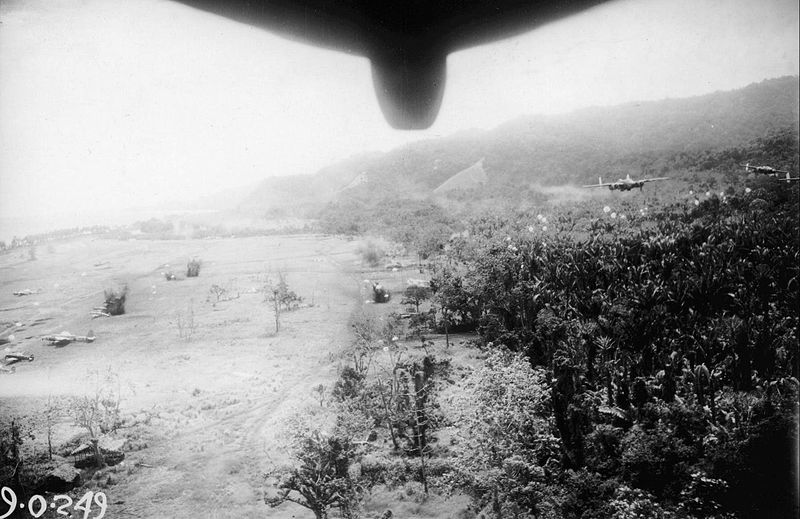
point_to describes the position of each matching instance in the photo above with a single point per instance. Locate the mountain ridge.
(705, 131)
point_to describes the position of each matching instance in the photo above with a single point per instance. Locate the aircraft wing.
(58, 338)
(407, 41)
(604, 184)
(656, 179)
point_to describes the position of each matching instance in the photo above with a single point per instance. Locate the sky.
(108, 106)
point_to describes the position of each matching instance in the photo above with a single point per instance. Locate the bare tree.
(276, 291)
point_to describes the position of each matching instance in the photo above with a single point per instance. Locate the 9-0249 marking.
(37, 505)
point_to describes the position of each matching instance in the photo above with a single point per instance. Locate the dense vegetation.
(670, 345)
(639, 360)
(422, 226)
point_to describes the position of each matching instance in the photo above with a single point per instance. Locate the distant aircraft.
(13, 358)
(625, 184)
(65, 338)
(764, 170)
(26, 292)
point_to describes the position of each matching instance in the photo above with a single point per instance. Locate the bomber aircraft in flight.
(764, 170)
(625, 184)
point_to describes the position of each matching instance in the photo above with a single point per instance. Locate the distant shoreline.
(11, 227)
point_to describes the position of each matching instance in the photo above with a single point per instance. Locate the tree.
(98, 412)
(506, 433)
(451, 297)
(12, 437)
(277, 291)
(320, 479)
(415, 295)
(50, 416)
(407, 398)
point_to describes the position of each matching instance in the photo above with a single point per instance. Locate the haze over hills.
(705, 132)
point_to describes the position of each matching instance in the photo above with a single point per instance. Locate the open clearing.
(206, 413)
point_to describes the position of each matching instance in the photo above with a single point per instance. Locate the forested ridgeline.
(715, 131)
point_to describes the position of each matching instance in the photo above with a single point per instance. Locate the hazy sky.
(129, 103)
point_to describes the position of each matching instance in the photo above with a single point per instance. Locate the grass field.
(204, 413)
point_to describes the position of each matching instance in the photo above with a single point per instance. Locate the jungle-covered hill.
(710, 132)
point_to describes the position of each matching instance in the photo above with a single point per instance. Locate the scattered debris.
(84, 455)
(65, 338)
(99, 311)
(27, 292)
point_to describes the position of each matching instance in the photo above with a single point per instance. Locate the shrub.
(654, 459)
(578, 494)
(603, 449)
(752, 458)
(186, 324)
(193, 268)
(631, 503)
(220, 293)
(350, 384)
